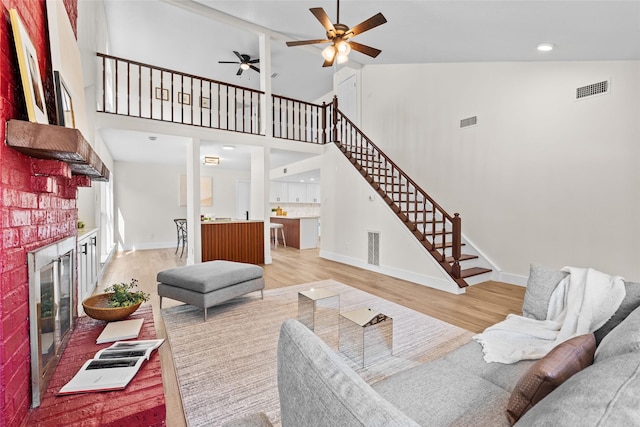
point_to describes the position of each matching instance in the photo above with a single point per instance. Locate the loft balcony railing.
(135, 89)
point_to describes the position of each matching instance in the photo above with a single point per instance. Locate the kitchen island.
(233, 240)
(300, 232)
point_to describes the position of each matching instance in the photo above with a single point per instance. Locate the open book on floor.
(111, 368)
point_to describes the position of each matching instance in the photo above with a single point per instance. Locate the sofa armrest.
(318, 389)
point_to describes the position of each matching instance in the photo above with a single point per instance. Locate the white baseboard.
(420, 279)
(151, 245)
(514, 279)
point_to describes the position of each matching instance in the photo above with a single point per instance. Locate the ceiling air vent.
(592, 89)
(469, 121)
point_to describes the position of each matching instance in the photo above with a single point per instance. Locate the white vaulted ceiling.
(193, 35)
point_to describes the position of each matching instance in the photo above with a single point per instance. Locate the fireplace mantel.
(57, 143)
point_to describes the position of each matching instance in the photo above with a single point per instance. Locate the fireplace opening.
(51, 315)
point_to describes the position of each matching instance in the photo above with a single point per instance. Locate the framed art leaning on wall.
(29, 71)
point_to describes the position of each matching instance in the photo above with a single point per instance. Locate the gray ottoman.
(210, 283)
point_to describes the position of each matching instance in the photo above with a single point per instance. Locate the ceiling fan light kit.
(339, 36)
(245, 63)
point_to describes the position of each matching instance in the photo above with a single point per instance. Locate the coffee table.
(318, 308)
(366, 335)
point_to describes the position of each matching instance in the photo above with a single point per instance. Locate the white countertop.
(294, 217)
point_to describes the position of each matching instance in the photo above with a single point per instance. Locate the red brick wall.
(37, 205)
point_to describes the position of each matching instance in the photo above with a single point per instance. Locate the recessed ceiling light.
(311, 179)
(228, 147)
(545, 47)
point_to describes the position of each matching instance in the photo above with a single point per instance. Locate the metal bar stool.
(275, 227)
(181, 227)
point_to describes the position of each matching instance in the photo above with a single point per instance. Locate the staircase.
(135, 89)
(439, 232)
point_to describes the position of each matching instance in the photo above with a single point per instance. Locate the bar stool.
(181, 227)
(275, 227)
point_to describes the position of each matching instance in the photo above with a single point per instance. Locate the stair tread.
(474, 271)
(463, 257)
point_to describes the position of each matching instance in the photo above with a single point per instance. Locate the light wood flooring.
(482, 305)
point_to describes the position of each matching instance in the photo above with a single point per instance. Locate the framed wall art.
(184, 98)
(29, 71)
(64, 102)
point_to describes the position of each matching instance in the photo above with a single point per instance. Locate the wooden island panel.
(240, 241)
(291, 230)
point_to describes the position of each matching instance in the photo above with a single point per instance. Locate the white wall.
(147, 201)
(542, 178)
(348, 215)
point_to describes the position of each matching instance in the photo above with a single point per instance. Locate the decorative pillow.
(624, 338)
(546, 374)
(540, 285)
(630, 302)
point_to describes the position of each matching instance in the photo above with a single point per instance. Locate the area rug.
(226, 366)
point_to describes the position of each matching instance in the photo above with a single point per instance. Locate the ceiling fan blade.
(228, 62)
(239, 56)
(322, 16)
(328, 63)
(239, 71)
(254, 68)
(370, 23)
(303, 42)
(367, 50)
(254, 61)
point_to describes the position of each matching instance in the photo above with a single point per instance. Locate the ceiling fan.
(339, 35)
(245, 63)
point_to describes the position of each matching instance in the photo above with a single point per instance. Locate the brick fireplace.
(38, 200)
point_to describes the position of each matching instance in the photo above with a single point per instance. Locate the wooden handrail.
(405, 196)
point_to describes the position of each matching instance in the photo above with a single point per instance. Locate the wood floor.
(482, 305)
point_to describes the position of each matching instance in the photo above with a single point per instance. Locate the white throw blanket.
(581, 303)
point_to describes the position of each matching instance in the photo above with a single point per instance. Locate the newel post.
(324, 122)
(457, 245)
(334, 118)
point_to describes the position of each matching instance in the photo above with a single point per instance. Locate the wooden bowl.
(97, 307)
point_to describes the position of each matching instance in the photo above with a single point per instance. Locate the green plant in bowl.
(122, 294)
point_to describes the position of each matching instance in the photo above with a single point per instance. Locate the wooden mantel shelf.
(57, 143)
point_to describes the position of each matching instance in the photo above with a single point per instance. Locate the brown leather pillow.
(548, 373)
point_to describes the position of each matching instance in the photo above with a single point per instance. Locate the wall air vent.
(373, 246)
(592, 89)
(469, 121)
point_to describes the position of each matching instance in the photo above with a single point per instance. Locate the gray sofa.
(317, 388)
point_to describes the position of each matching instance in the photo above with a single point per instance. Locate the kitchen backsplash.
(298, 209)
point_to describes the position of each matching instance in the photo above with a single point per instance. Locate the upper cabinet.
(313, 193)
(278, 192)
(294, 192)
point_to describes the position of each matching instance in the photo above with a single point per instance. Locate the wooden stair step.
(463, 257)
(474, 271)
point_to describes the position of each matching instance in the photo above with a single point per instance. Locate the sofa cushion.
(317, 388)
(439, 393)
(624, 338)
(470, 358)
(540, 285)
(631, 302)
(604, 394)
(548, 373)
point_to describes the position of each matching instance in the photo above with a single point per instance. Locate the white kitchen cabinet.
(313, 193)
(278, 192)
(87, 249)
(297, 192)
